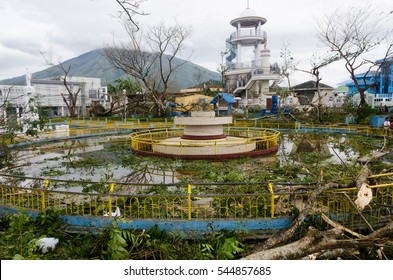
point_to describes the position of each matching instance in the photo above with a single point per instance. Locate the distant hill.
(94, 64)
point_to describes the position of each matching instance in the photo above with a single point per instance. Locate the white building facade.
(48, 94)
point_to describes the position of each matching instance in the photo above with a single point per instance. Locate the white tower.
(248, 34)
(248, 62)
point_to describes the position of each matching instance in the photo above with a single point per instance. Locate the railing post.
(111, 188)
(271, 199)
(43, 194)
(189, 201)
(47, 182)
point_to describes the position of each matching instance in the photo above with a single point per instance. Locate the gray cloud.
(69, 28)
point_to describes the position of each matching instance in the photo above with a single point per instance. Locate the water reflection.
(325, 146)
(87, 160)
(109, 159)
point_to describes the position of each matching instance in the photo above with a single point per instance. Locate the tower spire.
(248, 4)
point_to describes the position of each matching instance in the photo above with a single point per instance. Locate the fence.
(263, 139)
(193, 202)
(91, 127)
(305, 127)
(199, 202)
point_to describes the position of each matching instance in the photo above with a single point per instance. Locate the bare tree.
(7, 123)
(351, 34)
(150, 58)
(223, 69)
(70, 97)
(130, 8)
(286, 68)
(289, 64)
(5, 97)
(317, 63)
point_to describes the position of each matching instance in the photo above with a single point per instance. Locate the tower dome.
(248, 18)
(248, 13)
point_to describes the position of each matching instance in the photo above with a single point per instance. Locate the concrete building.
(307, 93)
(339, 97)
(48, 94)
(248, 74)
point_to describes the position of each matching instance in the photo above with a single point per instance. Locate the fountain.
(204, 137)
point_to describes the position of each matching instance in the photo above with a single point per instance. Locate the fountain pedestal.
(204, 137)
(203, 125)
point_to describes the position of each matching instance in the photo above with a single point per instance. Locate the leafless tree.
(352, 33)
(70, 97)
(223, 68)
(317, 63)
(4, 95)
(130, 8)
(5, 99)
(289, 63)
(150, 58)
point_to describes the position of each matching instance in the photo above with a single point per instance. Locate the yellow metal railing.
(262, 139)
(187, 205)
(191, 204)
(188, 202)
(89, 127)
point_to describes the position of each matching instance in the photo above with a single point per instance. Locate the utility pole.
(223, 68)
(125, 104)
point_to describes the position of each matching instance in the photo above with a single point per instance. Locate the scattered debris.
(114, 214)
(47, 243)
(365, 196)
(366, 159)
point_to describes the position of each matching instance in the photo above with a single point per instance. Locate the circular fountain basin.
(203, 137)
(220, 148)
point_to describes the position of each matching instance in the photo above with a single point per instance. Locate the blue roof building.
(226, 97)
(381, 81)
(386, 77)
(364, 79)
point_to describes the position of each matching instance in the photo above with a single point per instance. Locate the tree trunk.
(287, 234)
(315, 241)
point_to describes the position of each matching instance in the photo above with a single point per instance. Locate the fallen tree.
(316, 241)
(331, 242)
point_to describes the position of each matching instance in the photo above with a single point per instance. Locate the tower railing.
(249, 33)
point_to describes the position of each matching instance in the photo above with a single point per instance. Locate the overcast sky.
(69, 28)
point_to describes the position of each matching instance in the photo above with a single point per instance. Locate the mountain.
(94, 64)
